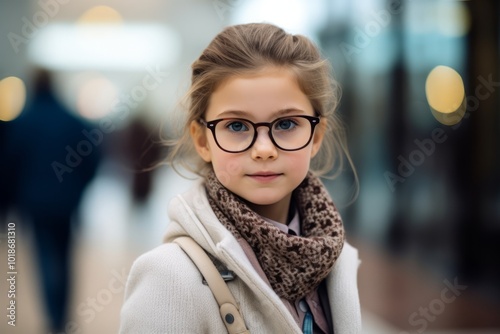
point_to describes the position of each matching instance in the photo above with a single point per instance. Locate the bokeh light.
(100, 14)
(12, 98)
(296, 18)
(96, 96)
(125, 47)
(453, 18)
(445, 93)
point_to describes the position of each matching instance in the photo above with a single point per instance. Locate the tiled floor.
(114, 233)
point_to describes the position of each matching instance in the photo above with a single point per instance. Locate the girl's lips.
(264, 177)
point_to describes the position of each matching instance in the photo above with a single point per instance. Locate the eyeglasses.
(235, 135)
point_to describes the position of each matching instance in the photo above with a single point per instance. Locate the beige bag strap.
(228, 307)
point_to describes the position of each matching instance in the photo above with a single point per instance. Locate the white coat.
(165, 294)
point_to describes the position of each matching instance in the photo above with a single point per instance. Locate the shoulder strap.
(227, 304)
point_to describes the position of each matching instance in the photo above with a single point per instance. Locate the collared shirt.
(293, 226)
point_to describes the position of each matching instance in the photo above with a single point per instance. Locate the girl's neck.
(279, 212)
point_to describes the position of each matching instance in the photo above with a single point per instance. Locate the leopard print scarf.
(293, 265)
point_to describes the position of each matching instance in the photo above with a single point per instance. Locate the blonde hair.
(241, 49)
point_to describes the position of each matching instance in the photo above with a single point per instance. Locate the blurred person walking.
(49, 174)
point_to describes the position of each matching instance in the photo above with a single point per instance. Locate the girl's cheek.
(227, 168)
(234, 167)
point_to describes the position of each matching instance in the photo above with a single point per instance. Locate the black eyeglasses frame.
(314, 120)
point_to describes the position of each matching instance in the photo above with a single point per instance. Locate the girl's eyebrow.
(243, 114)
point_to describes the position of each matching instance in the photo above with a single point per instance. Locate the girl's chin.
(259, 201)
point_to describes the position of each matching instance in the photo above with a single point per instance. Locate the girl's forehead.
(272, 83)
(264, 93)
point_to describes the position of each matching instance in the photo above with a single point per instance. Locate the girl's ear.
(319, 134)
(198, 135)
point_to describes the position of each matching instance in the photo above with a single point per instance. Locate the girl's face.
(263, 175)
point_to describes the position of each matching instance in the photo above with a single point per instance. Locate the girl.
(261, 107)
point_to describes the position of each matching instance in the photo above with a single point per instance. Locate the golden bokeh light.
(445, 93)
(99, 15)
(12, 98)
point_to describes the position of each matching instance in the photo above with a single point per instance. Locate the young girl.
(261, 107)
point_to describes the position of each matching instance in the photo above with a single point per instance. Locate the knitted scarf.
(294, 265)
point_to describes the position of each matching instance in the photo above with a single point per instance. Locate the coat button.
(229, 318)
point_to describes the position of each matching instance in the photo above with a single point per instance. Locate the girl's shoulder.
(166, 259)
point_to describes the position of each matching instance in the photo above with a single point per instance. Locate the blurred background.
(88, 87)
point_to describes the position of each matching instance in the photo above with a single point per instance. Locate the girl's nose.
(263, 148)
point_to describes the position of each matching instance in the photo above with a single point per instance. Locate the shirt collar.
(294, 224)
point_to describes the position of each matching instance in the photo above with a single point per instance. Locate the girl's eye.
(237, 126)
(285, 124)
